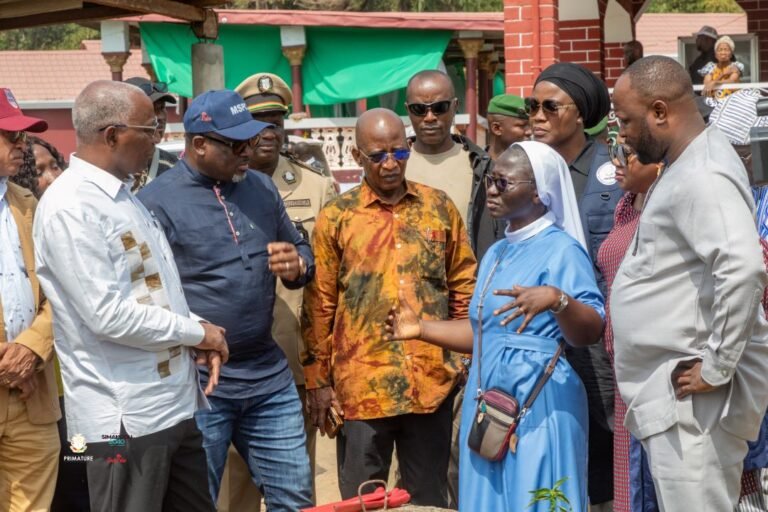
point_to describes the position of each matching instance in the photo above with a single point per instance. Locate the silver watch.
(561, 305)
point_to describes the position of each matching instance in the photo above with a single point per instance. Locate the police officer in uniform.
(305, 191)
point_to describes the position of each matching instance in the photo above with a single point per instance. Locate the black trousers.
(164, 471)
(364, 452)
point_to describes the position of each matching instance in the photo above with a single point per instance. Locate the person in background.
(632, 484)
(162, 160)
(507, 123)
(451, 163)
(29, 444)
(633, 51)
(232, 239)
(568, 99)
(724, 70)
(387, 235)
(705, 44)
(42, 165)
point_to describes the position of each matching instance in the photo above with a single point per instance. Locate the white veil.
(555, 188)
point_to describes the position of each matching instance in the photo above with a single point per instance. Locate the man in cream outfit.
(691, 340)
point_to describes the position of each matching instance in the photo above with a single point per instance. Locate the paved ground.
(325, 471)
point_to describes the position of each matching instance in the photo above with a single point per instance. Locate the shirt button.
(724, 373)
(408, 357)
(398, 246)
(231, 214)
(397, 216)
(402, 281)
(237, 233)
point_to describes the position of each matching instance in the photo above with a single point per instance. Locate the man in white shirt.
(124, 336)
(691, 340)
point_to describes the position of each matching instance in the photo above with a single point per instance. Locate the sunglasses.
(503, 184)
(438, 108)
(237, 146)
(14, 137)
(380, 156)
(151, 87)
(532, 106)
(621, 154)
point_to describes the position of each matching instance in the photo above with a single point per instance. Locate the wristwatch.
(561, 305)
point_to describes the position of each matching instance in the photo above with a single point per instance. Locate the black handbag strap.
(550, 368)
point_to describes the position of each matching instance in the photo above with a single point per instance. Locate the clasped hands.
(527, 301)
(284, 261)
(17, 368)
(213, 352)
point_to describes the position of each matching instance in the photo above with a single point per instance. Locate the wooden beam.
(54, 18)
(170, 8)
(27, 8)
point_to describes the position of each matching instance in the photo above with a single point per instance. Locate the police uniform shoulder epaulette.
(294, 160)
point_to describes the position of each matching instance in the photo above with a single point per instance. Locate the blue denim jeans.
(268, 432)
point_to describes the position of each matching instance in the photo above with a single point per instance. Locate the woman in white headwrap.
(544, 261)
(727, 70)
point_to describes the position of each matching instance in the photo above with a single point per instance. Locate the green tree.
(693, 6)
(54, 37)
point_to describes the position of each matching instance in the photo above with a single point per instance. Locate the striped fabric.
(736, 115)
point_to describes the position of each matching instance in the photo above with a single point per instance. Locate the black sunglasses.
(620, 154)
(150, 87)
(14, 137)
(237, 146)
(503, 184)
(438, 108)
(380, 156)
(532, 106)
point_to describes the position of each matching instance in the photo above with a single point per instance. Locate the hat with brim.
(12, 119)
(224, 113)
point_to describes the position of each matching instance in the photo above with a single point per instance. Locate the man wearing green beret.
(304, 190)
(507, 123)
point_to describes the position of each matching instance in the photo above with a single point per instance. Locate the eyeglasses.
(532, 106)
(14, 137)
(380, 156)
(150, 87)
(503, 184)
(237, 146)
(621, 154)
(438, 108)
(147, 128)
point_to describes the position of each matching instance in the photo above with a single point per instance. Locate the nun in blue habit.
(535, 288)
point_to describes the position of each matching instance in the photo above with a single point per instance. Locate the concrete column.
(471, 47)
(485, 76)
(207, 67)
(115, 46)
(295, 56)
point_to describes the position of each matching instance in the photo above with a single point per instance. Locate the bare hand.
(212, 360)
(214, 340)
(686, 379)
(529, 302)
(27, 387)
(402, 322)
(17, 363)
(319, 401)
(284, 261)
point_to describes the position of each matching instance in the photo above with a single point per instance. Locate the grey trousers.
(696, 465)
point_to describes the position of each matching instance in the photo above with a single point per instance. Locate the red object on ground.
(372, 501)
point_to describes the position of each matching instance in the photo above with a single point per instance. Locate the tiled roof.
(659, 32)
(60, 74)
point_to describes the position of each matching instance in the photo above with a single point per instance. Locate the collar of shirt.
(582, 162)
(3, 187)
(204, 180)
(368, 196)
(96, 175)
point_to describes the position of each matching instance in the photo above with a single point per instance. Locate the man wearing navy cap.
(232, 238)
(29, 407)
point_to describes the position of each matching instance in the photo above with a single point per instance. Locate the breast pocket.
(641, 255)
(432, 255)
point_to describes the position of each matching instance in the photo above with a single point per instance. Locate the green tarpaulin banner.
(341, 64)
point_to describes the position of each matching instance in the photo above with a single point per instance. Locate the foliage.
(694, 6)
(558, 502)
(55, 37)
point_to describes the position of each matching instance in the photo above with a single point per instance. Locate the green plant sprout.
(558, 502)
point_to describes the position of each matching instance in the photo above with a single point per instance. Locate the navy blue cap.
(223, 112)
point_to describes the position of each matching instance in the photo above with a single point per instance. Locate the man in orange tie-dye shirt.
(384, 237)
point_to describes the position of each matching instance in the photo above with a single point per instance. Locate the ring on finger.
(287, 266)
